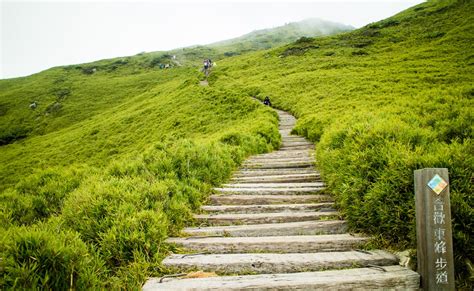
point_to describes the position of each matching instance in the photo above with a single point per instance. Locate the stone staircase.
(274, 228)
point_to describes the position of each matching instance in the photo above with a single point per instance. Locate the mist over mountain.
(101, 162)
(271, 37)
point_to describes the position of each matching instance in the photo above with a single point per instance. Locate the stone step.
(273, 172)
(278, 153)
(279, 178)
(296, 143)
(225, 264)
(301, 159)
(275, 185)
(270, 191)
(277, 165)
(388, 277)
(256, 218)
(272, 229)
(266, 208)
(293, 148)
(293, 139)
(290, 137)
(271, 244)
(243, 199)
(298, 146)
(284, 155)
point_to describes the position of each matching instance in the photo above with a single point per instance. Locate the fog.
(38, 35)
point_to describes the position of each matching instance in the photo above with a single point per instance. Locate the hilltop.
(99, 162)
(70, 97)
(118, 153)
(273, 37)
(253, 41)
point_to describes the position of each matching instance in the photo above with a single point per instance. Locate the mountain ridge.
(118, 153)
(310, 27)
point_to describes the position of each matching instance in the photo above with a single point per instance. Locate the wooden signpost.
(433, 229)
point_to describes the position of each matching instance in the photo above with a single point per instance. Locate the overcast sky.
(37, 35)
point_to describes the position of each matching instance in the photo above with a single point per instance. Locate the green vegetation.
(100, 162)
(380, 102)
(117, 153)
(93, 189)
(268, 38)
(254, 41)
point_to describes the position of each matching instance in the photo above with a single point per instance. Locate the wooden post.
(433, 229)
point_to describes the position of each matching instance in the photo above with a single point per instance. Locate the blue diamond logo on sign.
(437, 184)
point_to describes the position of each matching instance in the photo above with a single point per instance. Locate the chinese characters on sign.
(433, 229)
(439, 241)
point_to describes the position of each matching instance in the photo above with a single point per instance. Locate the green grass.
(115, 158)
(118, 154)
(115, 170)
(268, 38)
(380, 102)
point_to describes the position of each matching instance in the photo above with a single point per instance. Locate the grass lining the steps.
(380, 102)
(88, 206)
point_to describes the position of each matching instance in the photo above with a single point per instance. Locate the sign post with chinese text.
(433, 229)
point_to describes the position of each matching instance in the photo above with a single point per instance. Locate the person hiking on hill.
(206, 64)
(267, 101)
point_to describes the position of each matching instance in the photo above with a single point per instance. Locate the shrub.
(59, 260)
(11, 135)
(40, 195)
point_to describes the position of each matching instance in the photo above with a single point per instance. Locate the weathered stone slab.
(296, 143)
(312, 177)
(277, 263)
(270, 191)
(292, 148)
(275, 185)
(254, 218)
(286, 153)
(277, 165)
(272, 229)
(281, 159)
(264, 208)
(274, 172)
(393, 277)
(247, 199)
(269, 244)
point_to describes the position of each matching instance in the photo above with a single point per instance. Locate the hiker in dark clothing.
(267, 101)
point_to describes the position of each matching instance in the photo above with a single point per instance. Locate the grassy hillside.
(112, 161)
(254, 41)
(118, 153)
(380, 102)
(100, 162)
(268, 38)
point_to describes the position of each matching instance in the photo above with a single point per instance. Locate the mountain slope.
(88, 93)
(99, 162)
(268, 38)
(118, 153)
(94, 201)
(381, 101)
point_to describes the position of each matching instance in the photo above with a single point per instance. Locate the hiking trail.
(274, 228)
